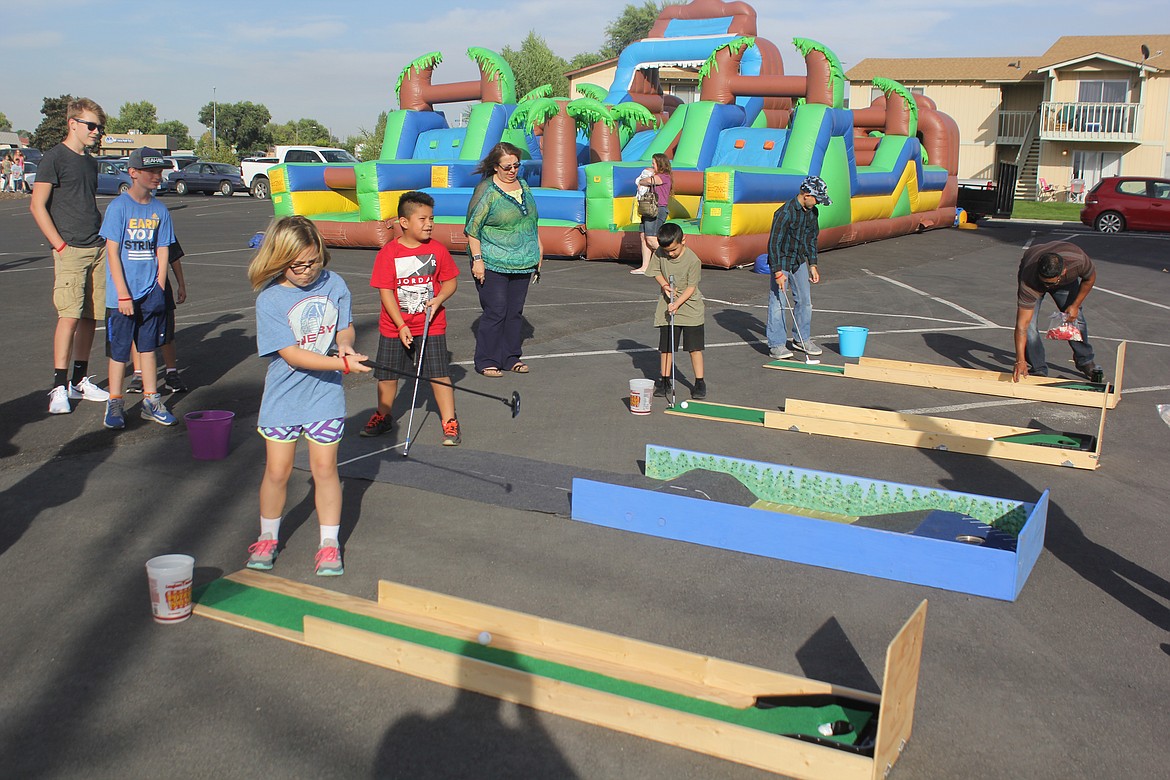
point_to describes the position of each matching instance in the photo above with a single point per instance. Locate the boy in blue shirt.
(138, 234)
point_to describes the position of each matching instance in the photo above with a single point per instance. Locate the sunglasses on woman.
(512, 167)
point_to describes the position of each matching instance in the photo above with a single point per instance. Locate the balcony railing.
(1090, 121)
(1013, 126)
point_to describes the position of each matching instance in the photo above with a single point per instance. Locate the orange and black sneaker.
(451, 437)
(377, 425)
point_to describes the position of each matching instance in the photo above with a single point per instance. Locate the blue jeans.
(1034, 349)
(498, 337)
(800, 288)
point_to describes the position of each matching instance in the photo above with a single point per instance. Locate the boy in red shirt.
(414, 276)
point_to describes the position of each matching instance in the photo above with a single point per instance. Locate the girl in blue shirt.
(302, 314)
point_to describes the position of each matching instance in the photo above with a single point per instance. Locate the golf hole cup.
(169, 577)
(641, 395)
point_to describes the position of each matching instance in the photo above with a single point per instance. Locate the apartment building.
(1088, 107)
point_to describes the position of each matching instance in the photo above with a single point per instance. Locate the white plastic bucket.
(641, 395)
(169, 577)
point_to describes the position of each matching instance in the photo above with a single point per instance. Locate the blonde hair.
(284, 241)
(79, 106)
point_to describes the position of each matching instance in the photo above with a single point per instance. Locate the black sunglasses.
(91, 125)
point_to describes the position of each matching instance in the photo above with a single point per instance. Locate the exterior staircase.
(1028, 184)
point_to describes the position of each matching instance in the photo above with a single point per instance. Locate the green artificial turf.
(703, 409)
(808, 366)
(288, 612)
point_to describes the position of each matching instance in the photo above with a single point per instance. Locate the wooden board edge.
(722, 740)
(909, 422)
(931, 440)
(899, 692)
(1118, 372)
(802, 369)
(1101, 428)
(979, 382)
(692, 674)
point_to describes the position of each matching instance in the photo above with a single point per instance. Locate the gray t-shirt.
(72, 202)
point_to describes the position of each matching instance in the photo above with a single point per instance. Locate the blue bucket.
(851, 341)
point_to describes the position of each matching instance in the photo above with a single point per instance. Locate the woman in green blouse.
(505, 250)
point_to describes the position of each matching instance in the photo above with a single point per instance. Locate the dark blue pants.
(1034, 347)
(497, 340)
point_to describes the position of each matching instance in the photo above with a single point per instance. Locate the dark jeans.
(497, 340)
(1034, 348)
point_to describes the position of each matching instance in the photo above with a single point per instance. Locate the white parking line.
(936, 299)
(1130, 297)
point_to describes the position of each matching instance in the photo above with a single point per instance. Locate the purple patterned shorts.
(323, 432)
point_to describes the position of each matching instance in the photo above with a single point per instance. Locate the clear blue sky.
(337, 62)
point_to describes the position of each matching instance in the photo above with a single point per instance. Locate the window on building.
(1101, 91)
(684, 92)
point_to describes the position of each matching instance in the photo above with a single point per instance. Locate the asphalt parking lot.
(1069, 681)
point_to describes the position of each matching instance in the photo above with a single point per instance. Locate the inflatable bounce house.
(738, 152)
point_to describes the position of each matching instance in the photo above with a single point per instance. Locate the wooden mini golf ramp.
(733, 711)
(971, 380)
(913, 430)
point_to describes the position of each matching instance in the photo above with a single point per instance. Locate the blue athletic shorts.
(145, 329)
(323, 432)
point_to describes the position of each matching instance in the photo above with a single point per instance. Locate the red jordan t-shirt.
(414, 274)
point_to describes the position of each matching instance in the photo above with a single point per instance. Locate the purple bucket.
(210, 434)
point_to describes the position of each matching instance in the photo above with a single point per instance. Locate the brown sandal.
(519, 368)
(492, 371)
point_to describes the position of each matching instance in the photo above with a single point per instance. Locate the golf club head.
(515, 404)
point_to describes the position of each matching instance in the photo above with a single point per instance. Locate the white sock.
(329, 532)
(268, 526)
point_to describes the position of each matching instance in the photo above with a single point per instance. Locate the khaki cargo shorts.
(79, 282)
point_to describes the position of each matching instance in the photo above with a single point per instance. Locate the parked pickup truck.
(255, 169)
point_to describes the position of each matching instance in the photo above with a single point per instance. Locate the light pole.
(214, 136)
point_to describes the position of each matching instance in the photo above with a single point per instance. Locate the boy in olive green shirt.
(670, 260)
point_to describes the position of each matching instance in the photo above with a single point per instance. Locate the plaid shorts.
(323, 432)
(436, 358)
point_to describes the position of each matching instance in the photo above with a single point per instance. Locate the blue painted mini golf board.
(992, 570)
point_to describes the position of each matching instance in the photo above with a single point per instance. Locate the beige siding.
(602, 78)
(1156, 112)
(1022, 97)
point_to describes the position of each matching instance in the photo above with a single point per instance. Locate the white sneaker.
(59, 400)
(88, 391)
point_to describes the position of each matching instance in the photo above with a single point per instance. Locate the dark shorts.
(651, 226)
(436, 358)
(169, 324)
(690, 336)
(144, 329)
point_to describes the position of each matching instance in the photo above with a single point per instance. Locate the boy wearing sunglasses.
(65, 208)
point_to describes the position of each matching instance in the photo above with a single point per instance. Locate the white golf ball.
(683, 404)
(484, 638)
(826, 729)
